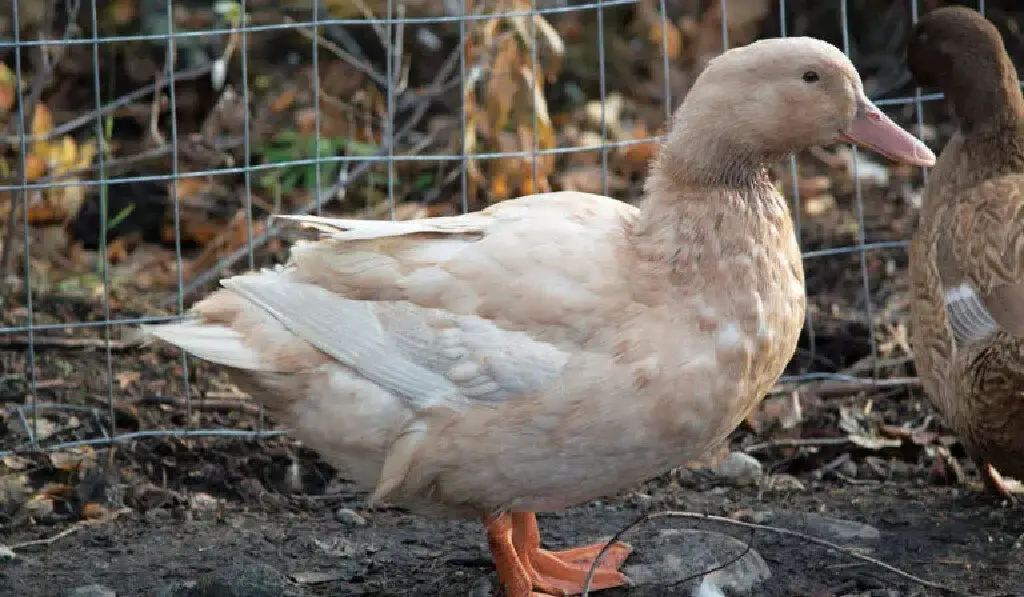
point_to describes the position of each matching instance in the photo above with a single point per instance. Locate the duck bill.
(871, 129)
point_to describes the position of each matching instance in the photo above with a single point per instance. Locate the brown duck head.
(959, 52)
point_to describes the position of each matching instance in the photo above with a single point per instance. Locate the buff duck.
(558, 347)
(966, 265)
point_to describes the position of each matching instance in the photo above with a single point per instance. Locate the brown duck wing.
(980, 257)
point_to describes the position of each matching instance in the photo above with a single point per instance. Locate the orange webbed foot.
(527, 570)
(565, 572)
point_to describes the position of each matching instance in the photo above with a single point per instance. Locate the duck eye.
(811, 76)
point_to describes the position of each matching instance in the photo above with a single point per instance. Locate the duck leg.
(527, 570)
(565, 572)
(512, 574)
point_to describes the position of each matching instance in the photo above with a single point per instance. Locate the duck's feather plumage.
(967, 255)
(557, 347)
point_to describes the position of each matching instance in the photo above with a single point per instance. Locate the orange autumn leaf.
(42, 121)
(7, 88)
(499, 187)
(672, 41)
(502, 86)
(35, 167)
(283, 101)
(92, 510)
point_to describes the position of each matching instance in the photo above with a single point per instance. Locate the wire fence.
(402, 142)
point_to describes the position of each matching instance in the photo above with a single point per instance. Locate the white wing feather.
(969, 320)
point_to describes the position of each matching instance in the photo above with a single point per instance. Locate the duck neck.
(699, 153)
(989, 106)
(698, 181)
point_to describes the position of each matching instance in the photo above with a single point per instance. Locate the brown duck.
(967, 256)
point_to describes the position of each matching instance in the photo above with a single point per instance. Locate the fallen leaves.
(512, 114)
(61, 160)
(8, 85)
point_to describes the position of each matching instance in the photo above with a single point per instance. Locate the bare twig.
(848, 386)
(338, 51)
(71, 529)
(763, 527)
(7, 253)
(808, 442)
(58, 342)
(378, 28)
(210, 402)
(124, 100)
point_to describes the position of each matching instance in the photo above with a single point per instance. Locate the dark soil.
(941, 534)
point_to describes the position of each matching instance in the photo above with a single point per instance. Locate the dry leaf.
(8, 86)
(55, 490)
(674, 44)
(117, 252)
(499, 188)
(39, 505)
(16, 463)
(71, 460)
(818, 205)
(13, 490)
(93, 510)
(35, 167)
(283, 101)
(42, 121)
(502, 87)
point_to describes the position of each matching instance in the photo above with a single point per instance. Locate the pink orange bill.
(874, 130)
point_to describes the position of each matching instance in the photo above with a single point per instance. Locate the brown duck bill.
(874, 130)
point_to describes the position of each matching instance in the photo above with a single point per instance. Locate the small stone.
(158, 514)
(203, 501)
(641, 500)
(350, 517)
(7, 554)
(848, 469)
(684, 553)
(90, 591)
(335, 546)
(781, 483)
(740, 469)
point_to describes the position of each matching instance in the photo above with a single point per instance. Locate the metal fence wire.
(404, 108)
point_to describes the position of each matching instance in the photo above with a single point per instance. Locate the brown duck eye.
(811, 77)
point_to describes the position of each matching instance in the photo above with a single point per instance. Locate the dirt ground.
(942, 534)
